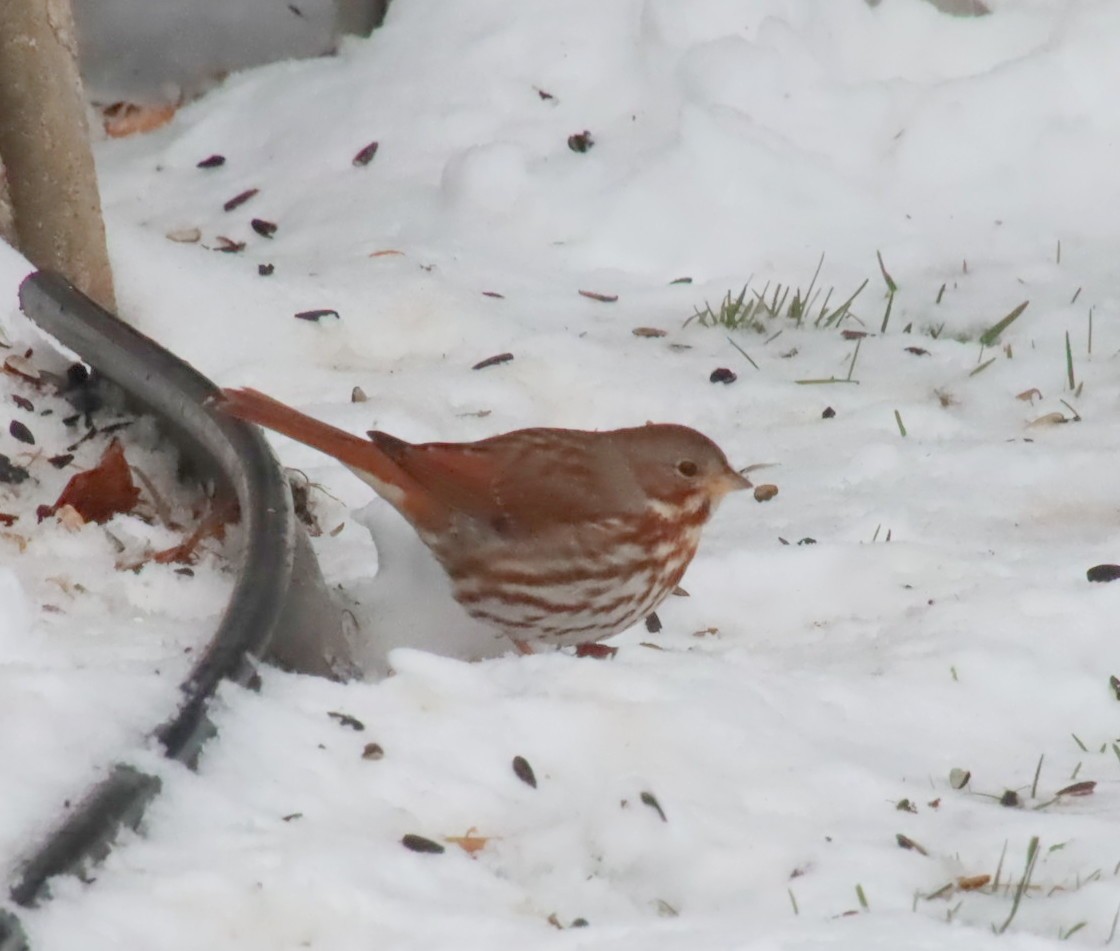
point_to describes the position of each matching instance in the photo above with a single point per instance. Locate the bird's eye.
(687, 468)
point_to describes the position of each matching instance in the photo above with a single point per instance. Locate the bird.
(549, 536)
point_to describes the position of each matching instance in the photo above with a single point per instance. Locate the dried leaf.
(970, 883)
(103, 491)
(228, 245)
(129, 118)
(596, 651)
(470, 842)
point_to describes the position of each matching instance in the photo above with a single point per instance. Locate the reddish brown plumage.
(560, 536)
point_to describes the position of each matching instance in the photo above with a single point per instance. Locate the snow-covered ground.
(912, 602)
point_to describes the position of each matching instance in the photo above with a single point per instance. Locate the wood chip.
(228, 245)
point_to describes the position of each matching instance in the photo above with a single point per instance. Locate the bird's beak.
(731, 481)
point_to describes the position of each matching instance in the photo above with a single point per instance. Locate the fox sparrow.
(554, 536)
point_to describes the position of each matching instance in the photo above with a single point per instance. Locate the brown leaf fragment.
(970, 883)
(365, 155)
(596, 651)
(263, 227)
(934, 803)
(595, 295)
(228, 245)
(1029, 396)
(103, 491)
(1083, 788)
(1103, 573)
(212, 161)
(240, 198)
(212, 526)
(23, 402)
(316, 315)
(650, 800)
(8, 520)
(649, 332)
(765, 492)
(21, 432)
(494, 294)
(905, 842)
(345, 719)
(418, 843)
(493, 361)
(523, 771)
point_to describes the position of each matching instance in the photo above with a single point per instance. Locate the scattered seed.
(970, 883)
(806, 541)
(265, 270)
(596, 651)
(581, 141)
(188, 572)
(595, 295)
(315, 315)
(23, 403)
(578, 923)
(8, 520)
(653, 623)
(828, 413)
(545, 96)
(905, 805)
(184, 235)
(417, 843)
(344, 719)
(681, 280)
(679, 592)
(523, 771)
(291, 816)
(650, 800)
(853, 334)
(649, 332)
(238, 200)
(11, 473)
(365, 155)
(905, 842)
(358, 395)
(372, 751)
(266, 229)
(958, 778)
(918, 351)
(493, 361)
(1010, 798)
(62, 460)
(21, 432)
(213, 161)
(228, 245)
(1103, 573)
(494, 294)
(765, 492)
(722, 375)
(1114, 683)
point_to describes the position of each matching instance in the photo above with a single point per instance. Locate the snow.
(907, 605)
